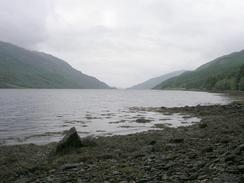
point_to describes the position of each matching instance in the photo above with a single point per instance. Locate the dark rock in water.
(143, 120)
(160, 125)
(202, 125)
(70, 141)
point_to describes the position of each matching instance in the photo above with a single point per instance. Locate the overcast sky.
(123, 42)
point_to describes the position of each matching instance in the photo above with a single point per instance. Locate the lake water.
(42, 116)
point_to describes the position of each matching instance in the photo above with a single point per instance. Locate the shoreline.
(209, 151)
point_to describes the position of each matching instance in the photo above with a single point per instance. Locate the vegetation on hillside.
(224, 73)
(21, 68)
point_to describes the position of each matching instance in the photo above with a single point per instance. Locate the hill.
(151, 83)
(223, 73)
(22, 68)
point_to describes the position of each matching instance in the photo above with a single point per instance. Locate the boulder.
(70, 141)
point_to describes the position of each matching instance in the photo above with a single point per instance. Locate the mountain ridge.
(151, 83)
(223, 73)
(23, 68)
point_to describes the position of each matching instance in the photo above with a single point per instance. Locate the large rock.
(70, 141)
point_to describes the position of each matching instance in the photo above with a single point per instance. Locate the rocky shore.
(209, 151)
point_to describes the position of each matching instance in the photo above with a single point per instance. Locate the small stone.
(241, 179)
(207, 149)
(52, 171)
(201, 177)
(239, 149)
(50, 178)
(79, 180)
(241, 167)
(177, 140)
(230, 157)
(153, 142)
(69, 166)
(183, 177)
(143, 181)
(115, 172)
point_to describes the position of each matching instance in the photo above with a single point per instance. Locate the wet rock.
(202, 177)
(70, 141)
(183, 177)
(207, 149)
(153, 142)
(147, 149)
(143, 181)
(115, 172)
(241, 179)
(241, 168)
(239, 149)
(69, 166)
(202, 125)
(105, 156)
(143, 120)
(160, 125)
(88, 141)
(224, 140)
(52, 171)
(230, 157)
(176, 140)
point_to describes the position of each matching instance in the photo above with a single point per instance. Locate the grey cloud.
(23, 22)
(126, 41)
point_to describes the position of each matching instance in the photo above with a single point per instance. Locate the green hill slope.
(21, 68)
(223, 73)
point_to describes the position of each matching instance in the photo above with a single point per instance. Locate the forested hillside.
(21, 68)
(223, 73)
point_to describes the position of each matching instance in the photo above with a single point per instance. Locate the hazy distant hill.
(223, 73)
(21, 68)
(151, 83)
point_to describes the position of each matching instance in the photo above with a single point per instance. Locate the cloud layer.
(123, 42)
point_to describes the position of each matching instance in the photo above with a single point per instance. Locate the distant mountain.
(21, 68)
(151, 83)
(223, 73)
